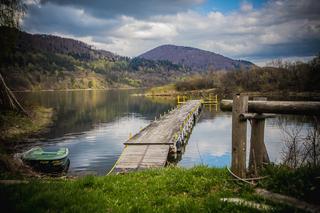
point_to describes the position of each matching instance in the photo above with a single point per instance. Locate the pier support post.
(258, 152)
(239, 135)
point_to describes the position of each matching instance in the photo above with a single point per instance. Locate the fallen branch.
(8, 100)
(257, 178)
(275, 197)
(253, 178)
(246, 203)
(239, 178)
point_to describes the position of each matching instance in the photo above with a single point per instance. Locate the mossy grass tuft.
(302, 183)
(15, 126)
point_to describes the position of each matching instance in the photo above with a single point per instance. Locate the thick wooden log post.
(239, 135)
(258, 151)
(278, 107)
(258, 98)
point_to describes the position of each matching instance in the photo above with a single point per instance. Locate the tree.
(11, 12)
(8, 100)
(91, 84)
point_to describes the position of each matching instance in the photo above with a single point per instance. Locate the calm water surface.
(94, 125)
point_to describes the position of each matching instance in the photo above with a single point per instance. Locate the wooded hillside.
(51, 62)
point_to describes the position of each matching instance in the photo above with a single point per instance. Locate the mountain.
(40, 62)
(195, 59)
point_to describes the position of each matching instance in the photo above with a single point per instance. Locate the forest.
(278, 76)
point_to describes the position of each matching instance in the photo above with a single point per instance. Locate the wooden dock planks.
(150, 147)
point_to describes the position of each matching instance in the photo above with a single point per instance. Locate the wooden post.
(278, 107)
(258, 152)
(239, 135)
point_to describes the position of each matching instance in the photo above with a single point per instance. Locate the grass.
(302, 183)
(162, 190)
(168, 89)
(15, 126)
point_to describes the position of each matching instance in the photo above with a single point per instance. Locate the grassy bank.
(170, 90)
(165, 90)
(15, 126)
(163, 190)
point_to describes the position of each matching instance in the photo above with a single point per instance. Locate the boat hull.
(50, 166)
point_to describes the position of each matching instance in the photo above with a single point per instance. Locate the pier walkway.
(150, 147)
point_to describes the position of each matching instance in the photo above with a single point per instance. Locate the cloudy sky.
(256, 30)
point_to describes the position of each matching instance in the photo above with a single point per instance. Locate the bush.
(295, 77)
(302, 183)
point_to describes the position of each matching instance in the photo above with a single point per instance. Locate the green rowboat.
(47, 161)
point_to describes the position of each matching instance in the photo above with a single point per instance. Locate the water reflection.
(79, 111)
(210, 141)
(94, 125)
(97, 150)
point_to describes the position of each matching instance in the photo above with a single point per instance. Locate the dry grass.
(15, 126)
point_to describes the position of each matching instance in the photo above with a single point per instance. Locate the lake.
(94, 124)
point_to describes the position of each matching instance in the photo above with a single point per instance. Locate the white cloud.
(132, 28)
(281, 28)
(31, 2)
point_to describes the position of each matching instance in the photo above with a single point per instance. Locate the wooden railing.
(254, 111)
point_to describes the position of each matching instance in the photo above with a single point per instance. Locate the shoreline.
(291, 95)
(71, 90)
(16, 127)
(152, 92)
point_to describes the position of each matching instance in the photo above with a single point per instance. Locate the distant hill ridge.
(35, 62)
(190, 58)
(194, 58)
(27, 42)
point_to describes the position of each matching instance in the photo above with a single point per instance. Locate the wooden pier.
(150, 147)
